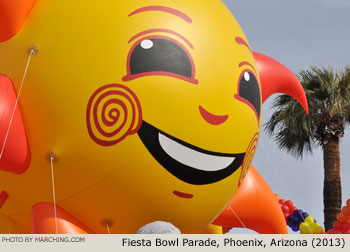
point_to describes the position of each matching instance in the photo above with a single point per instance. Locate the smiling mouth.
(187, 162)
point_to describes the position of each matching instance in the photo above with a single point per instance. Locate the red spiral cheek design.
(113, 112)
(248, 158)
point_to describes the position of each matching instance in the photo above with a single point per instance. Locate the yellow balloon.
(318, 230)
(136, 135)
(305, 228)
(313, 227)
(309, 220)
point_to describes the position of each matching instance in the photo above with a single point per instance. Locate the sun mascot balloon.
(115, 114)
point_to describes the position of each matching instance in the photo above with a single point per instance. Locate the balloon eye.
(249, 90)
(160, 55)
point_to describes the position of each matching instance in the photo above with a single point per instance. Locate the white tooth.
(192, 158)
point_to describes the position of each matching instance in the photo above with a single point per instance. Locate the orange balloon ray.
(13, 14)
(14, 148)
(43, 221)
(10, 226)
(256, 206)
(276, 78)
(225, 230)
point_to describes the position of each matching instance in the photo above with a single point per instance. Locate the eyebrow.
(241, 41)
(162, 30)
(243, 63)
(164, 9)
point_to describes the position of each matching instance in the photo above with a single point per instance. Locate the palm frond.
(328, 94)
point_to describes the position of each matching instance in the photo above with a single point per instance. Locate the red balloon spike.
(3, 197)
(43, 221)
(13, 14)
(14, 148)
(276, 78)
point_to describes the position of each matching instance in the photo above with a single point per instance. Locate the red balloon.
(348, 202)
(332, 231)
(337, 225)
(282, 201)
(285, 209)
(289, 204)
(346, 227)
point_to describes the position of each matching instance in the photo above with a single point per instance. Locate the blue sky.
(298, 34)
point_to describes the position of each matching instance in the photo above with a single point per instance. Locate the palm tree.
(328, 94)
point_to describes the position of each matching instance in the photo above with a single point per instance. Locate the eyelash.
(129, 76)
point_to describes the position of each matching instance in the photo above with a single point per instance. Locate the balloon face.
(153, 109)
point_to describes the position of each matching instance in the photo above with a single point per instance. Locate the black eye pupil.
(160, 55)
(249, 90)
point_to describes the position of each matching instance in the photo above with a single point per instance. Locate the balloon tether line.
(229, 206)
(54, 193)
(107, 225)
(276, 171)
(32, 51)
(280, 178)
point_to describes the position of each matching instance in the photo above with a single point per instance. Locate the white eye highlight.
(146, 44)
(246, 76)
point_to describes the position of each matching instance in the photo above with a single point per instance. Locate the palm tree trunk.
(332, 184)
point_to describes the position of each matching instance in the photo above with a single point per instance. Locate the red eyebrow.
(246, 63)
(164, 9)
(241, 41)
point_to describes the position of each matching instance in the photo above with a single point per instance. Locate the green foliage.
(328, 95)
